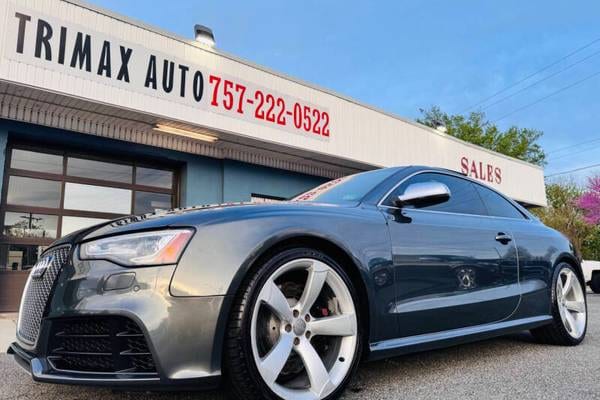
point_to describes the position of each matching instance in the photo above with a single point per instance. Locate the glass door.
(48, 194)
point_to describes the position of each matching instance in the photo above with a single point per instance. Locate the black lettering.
(123, 74)
(198, 86)
(168, 72)
(184, 69)
(23, 19)
(104, 65)
(44, 33)
(82, 52)
(151, 73)
(61, 45)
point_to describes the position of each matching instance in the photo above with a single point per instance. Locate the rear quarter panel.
(540, 249)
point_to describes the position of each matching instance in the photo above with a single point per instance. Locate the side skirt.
(436, 340)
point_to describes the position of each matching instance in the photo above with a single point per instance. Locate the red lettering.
(464, 165)
(325, 131)
(241, 89)
(216, 81)
(479, 170)
(228, 101)
(474, 170)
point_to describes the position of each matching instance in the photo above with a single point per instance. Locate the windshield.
(348, 189)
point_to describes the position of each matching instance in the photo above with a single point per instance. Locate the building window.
(17, 257)
(48, 194)
(30, 225)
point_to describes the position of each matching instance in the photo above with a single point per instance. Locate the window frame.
(63, 179)
(381, 202)
(510, 203)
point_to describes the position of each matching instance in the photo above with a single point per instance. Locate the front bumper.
(42, 371)
(183, 334)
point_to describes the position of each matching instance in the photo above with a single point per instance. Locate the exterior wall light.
(185, 132)
(204, 35)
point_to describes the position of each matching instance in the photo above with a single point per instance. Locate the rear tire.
(569, 310)
(595, 283)
(278, 328)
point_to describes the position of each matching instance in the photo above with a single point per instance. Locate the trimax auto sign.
(78, 51)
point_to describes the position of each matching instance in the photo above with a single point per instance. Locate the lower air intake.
(99, 345)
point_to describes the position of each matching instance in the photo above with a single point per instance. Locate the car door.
(535, 248)
(454, 265)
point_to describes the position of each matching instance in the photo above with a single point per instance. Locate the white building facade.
(102, 116)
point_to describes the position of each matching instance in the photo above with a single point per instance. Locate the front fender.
(220, 254)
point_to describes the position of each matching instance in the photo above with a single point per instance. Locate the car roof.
(405, 171)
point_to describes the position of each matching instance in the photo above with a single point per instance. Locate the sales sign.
(77, 51)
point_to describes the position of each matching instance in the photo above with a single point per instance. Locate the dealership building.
(103, 116)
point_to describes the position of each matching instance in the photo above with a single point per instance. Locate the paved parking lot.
(512, 367)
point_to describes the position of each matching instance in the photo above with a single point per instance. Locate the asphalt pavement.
(512, 367)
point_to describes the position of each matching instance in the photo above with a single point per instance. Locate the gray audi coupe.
(283, 301)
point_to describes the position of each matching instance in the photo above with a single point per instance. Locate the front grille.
(36, 295)
(99, 344)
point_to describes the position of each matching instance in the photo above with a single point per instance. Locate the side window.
(464, 198)
(497, 205)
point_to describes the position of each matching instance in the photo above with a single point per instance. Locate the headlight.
(139, 249)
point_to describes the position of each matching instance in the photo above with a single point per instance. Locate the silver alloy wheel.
(571, 303)
(323, 372)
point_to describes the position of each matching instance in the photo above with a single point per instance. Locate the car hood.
(190, 216)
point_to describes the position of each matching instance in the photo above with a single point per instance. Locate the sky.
(402, 56)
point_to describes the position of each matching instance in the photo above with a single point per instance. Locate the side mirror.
(424, 193)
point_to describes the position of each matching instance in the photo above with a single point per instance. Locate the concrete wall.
(203, 180)
(240, 181)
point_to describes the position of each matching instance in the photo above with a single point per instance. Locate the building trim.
(29, 110)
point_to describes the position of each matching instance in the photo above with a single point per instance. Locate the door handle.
(503, 238)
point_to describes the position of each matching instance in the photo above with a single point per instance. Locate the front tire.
(294, 330)
(569, 310)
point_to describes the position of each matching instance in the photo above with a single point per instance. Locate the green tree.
(563, 215)
(521, 143)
